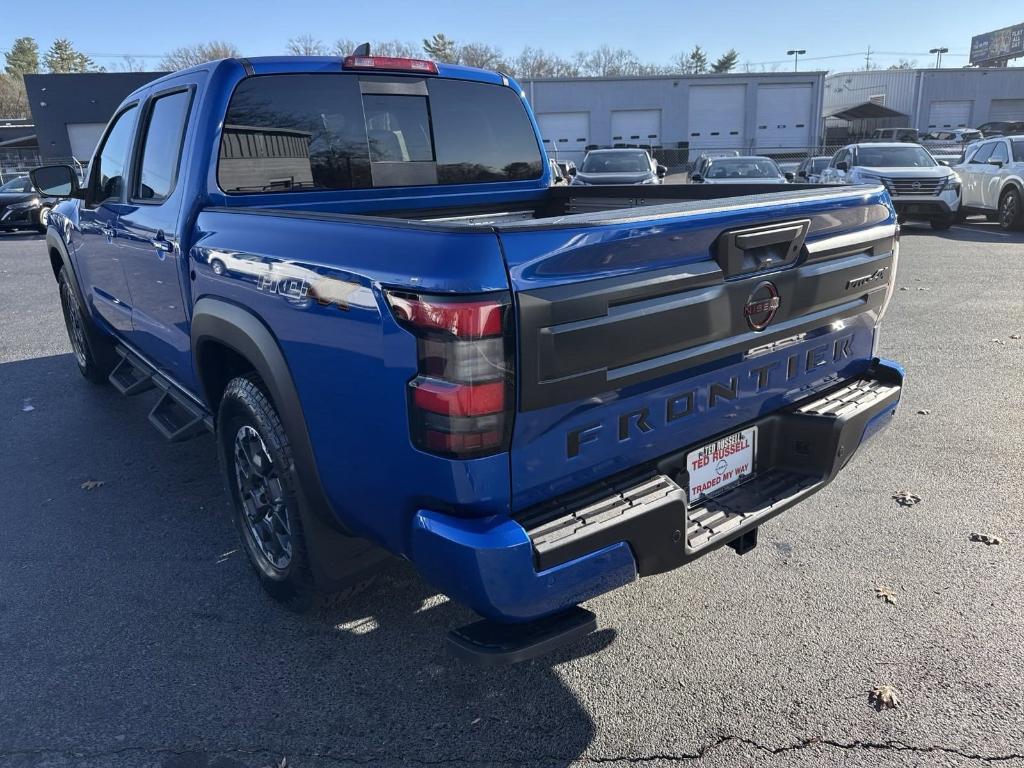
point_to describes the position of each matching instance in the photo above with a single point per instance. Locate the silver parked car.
(992, 177)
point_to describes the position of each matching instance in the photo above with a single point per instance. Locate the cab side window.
(161, 148)
(112, 159)
(983, 153)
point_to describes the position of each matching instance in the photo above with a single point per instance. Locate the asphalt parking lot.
(133, 634)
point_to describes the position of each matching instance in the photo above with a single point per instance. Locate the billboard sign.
(1006, 43)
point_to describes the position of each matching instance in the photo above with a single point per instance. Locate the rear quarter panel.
(350, 360)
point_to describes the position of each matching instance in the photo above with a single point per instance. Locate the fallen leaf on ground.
(998, 341)
(904, 288)
(1015, 336)
(986, 538)
(923, 412)
(906, 498)
(922, 288)
(883, 592)
(884, 697)
(26, 405)
(91, 485)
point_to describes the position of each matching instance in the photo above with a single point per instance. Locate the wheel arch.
(219, 325)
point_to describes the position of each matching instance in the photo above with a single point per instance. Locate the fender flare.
(336, 555)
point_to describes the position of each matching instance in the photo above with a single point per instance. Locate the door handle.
(162, 244)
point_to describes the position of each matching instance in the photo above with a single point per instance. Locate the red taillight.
(423, 66)
(459, 318)
(449, 399)
(460, 401)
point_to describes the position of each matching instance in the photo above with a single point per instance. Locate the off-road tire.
(93, 350)
(246, 404)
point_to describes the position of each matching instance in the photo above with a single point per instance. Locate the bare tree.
(190, 55)
(610, 62)
(306, 45)
(13, 101)
(131, 64)
(482, 56)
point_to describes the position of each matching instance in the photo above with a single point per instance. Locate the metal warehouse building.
(70, 111)
(926, 99)
(762, 113)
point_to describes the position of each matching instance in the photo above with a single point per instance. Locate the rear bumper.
(581, 546)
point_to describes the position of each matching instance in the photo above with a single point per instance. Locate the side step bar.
(175, 415)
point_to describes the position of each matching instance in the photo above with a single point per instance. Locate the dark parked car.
(1001, 128)
(618, 166)
(810, 169)
(21, 207)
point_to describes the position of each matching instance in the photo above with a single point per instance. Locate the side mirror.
(789, 176)
(572, 170)
(662, 170)
(56, 181)
(842, 165)
(696, 178)
(801, 174)
(996, 163)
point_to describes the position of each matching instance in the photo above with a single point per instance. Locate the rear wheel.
(266, 503)
(93, 350)
(1011, 213)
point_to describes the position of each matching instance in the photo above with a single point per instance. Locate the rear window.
(346, 131)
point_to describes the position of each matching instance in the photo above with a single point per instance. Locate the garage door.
(715, 116)
(634, 127)
(783, 116)
(565, 134)
(949, 114)
(1010, 110)
(83, 138)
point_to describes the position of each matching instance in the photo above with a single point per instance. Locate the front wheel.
(43, 218)
(943, 222)
(94, 351)
(1011, 213)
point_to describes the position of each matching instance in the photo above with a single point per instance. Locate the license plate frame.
(733, 463)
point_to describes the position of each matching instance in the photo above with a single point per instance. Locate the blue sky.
(656, 29)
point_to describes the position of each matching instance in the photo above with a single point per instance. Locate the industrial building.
(70, 111)
(927, 99)
(757, 112)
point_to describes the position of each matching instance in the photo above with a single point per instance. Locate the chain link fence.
(18, 162)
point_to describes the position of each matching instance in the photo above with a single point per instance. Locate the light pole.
(796, 54)
(938, 56)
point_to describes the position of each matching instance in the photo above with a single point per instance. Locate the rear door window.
(348, 131)
(1018, 151)
(161, 148)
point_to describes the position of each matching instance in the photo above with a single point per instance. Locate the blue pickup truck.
(355, 273)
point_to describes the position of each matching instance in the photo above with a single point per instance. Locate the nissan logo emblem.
(916, 185)
(761, 306)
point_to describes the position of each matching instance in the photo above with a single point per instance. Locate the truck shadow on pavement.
(132, 626)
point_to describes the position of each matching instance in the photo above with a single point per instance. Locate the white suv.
(919, 186)
(993, 181)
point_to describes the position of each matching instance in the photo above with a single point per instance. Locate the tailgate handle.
(742, 251)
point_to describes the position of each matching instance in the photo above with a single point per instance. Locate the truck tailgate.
(644, 331)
